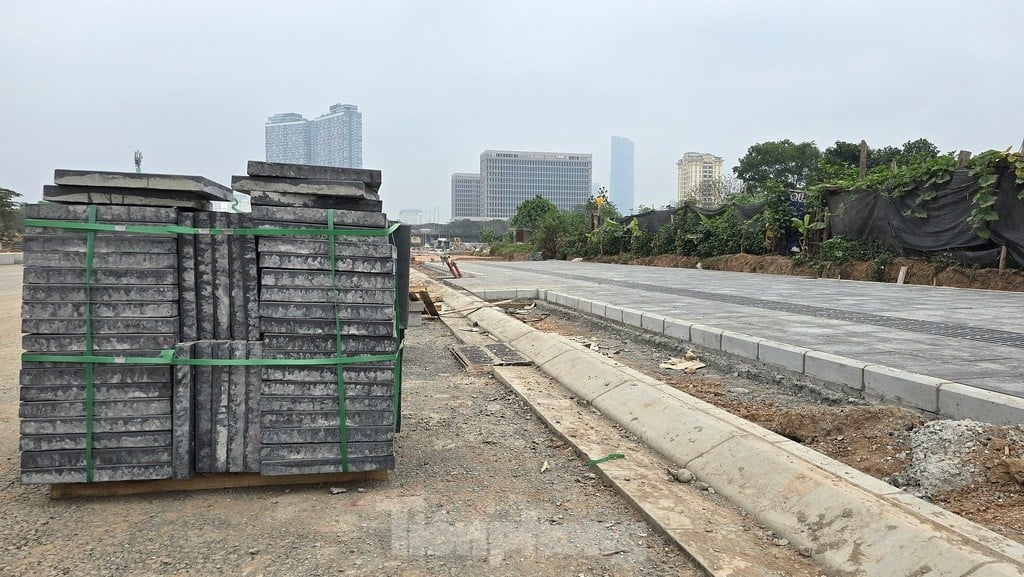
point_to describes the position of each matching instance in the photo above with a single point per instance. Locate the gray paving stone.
(372, 178)
(77, 326)
(221, 277)
(294, 419)
(339, 188)
(381, 372)
(381, 388)
(99, 441)
(101, 457)
(101, 293)
(306, 451)
(253, 393)
(100, 474)
(313, 201)
(41, 374)
(118, 408)
(183, 413)
(124, 344)
(326, 343)
(49, 309)
(371, 247)
(321, 311)
(126, 244)
(203, 187)
(342, 263)
(186, 276)
(119, 260)
(327, 327)
(265, 216)
(311, 467)
(343, 279)
(326, 435)
(205, 294)
(104, 214)
(346, 296)
(281, 404)
(204, 403)
(167, 276)
(101, 392)
(66, 425)
(238, 402)
(124, 196)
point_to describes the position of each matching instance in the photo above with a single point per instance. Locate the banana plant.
(805, 226)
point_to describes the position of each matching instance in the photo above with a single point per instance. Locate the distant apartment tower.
(699, 179)
(333, 139)
(507, 178)
(467, 197)
(410, 216)
(287, 137)
(622, 175)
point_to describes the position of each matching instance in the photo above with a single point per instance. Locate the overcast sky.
(85, 83)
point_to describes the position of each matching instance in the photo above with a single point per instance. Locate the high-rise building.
(620, 191)
(507, 178)
(287, 138)
(333, 139)
(699, 179)
(467, 199)
(410, 216)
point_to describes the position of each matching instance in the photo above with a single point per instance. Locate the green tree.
(530, 213)
(919, 149)
(12, 214)
(842, 153)
(882, 156)
(783, 162)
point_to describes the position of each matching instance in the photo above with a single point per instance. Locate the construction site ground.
(969, 468)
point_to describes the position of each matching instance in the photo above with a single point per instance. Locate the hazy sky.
(85, 83)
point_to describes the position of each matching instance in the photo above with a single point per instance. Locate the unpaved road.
(468, 499)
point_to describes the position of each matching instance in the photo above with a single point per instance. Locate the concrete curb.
(11, 258)
(848, 520)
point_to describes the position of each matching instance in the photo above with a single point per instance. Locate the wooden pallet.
(202, 482)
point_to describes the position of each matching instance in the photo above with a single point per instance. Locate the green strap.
(338, 350)
(165, 360)
(606, 458)
(90, 393)
(171, 229)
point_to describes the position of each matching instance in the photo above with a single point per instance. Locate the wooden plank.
(204, 482)
(428, 303)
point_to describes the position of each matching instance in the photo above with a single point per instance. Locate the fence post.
(1002, 257)
(962, 159)
(863, 159)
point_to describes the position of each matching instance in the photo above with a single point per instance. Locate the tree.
(882, 156)
(919, 149)
(12, 214)
(530, 212)
(783, 162)
(843, 153)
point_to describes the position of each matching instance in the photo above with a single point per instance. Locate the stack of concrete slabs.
(130, 306)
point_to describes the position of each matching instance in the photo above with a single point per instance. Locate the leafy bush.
(841, 250)
(509, 249)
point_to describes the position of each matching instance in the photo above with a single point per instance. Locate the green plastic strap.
(606, 458)
(165, 360)
(93, 226)
(338, 351)
(90, 392)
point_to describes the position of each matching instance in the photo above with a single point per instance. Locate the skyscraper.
(333, 139)
(699, 179)
(622, 175)
(467, 200)
(507, 178)
(287, 138)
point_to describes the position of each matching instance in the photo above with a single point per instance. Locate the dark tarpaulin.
(652, 220)
(1009, 229)
(867, 214)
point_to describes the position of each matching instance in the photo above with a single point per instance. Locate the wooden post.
(892, 166)
(903, 275)
(1002, 258)
(962, 159)
(863, 159)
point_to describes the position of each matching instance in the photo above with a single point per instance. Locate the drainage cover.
(493, 355)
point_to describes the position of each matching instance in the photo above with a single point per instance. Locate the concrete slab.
(902, 387)
(334, 188)
(739, 344)
(372, 178)
(97, 178)
(706, 336)
(677, 329)
(963, 402)
(632, 317)
(835, 369)
(654, 323)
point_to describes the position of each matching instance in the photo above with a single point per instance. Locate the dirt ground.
(919, 272)
(971, 469)
(468, 499)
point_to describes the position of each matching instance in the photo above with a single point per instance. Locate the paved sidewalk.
(971, 337)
